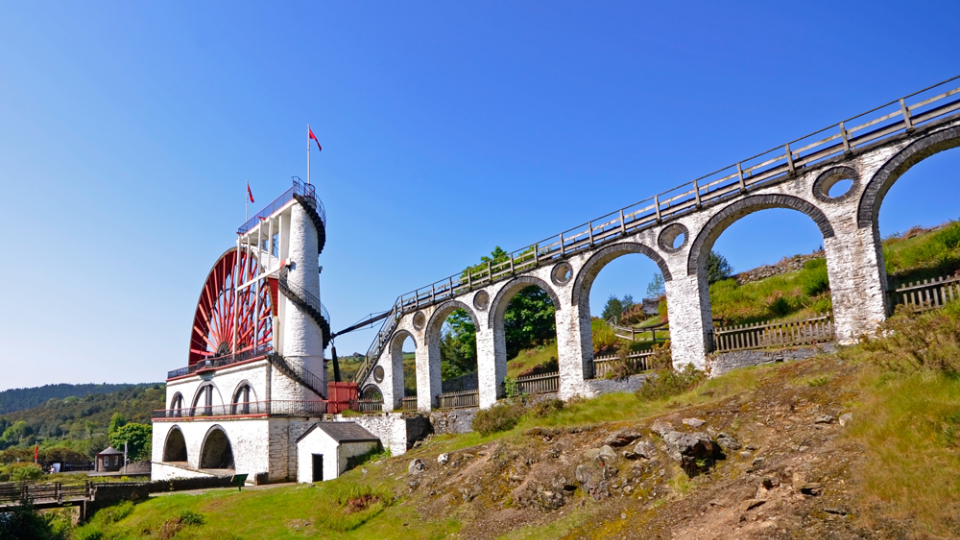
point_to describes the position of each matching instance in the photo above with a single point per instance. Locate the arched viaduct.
(677, 230)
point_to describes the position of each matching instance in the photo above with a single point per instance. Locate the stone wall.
(720, 363)
(452, 421)
(396, 431)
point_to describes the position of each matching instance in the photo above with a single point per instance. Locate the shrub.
(815, 278)
(930, 342)
(669, 382)
(780, 306)
(500, 417)
(604, 339)
(662, 357)
(545, 407)
(26, 472)
(189, 517)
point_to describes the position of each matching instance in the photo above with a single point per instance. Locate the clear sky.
(128, 131)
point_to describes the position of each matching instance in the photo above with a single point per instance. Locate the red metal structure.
(342, 396)
(228, 322)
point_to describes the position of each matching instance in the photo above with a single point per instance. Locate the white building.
(255, 380)
(325, 450)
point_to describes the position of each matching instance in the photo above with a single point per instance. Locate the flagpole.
(308, 154)
(246, 203)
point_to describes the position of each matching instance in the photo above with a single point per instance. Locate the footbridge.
(677, 229)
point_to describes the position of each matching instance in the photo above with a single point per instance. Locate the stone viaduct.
(676, 230)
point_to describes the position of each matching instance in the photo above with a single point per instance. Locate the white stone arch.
(242, 397)
(868, 210)
(434, 326)
(368, 391)
(174, 446)
(205, 398)
(176, 402)
(216, 451)
(396, 354)
(583, 284)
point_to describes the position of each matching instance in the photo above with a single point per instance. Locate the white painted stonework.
(851, 242)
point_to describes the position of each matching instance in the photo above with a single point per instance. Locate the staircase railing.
(300, 375)
(306, 300)
(920, 109)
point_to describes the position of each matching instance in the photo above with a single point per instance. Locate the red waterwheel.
(221, 310)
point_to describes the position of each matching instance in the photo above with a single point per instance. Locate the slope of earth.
(860, 444)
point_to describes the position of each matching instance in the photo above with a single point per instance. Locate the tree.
(718, 267)
(627, 302)
(137, 437)
(116, 422)
(529, 318)
(656, 288)
(458, 346)
(613, 309)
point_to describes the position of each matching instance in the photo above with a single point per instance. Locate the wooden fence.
(409, 404)
(782, 333)
(460, 400)
(543, 383)
(640, 334)
(636, 363)
(927, 294)
(369, 405)
(13, 493)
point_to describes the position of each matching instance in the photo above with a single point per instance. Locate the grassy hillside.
(891, 472)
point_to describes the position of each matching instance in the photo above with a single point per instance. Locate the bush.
(662, 357)
(545, 407)
(25, 472)
(189, 517)
(500, 417)
(929, 342)
(669, 382)
(815, 278)
(604, 339)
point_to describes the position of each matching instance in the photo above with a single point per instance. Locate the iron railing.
(216, 362)
(253, 408)
(875, 126)
(299, 188)
(304, 294)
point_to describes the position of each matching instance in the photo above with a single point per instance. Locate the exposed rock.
(645, 449)
(694, 422)
(811, 488)
(607, 456)
(622, 438)
(416, 467)
(824, 419)
(690, 448)
(750, 504)
(661, 427)
(846, 418)
(728, 442)
(442, 459)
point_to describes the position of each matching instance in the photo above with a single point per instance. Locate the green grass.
(529, 358)
(924, 256)
(350, 507)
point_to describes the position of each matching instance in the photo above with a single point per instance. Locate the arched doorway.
(175, 447)
(216, 452)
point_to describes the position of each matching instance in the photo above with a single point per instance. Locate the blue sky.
(128, 131)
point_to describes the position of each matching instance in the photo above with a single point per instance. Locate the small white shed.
(324, 450)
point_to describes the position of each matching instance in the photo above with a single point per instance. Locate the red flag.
(249, 193)
(314, 137)
(36, 453)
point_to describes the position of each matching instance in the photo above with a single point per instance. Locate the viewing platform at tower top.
(299, 188)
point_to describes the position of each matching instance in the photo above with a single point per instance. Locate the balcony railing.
(213, 363)
(252, 408)
(299, 188)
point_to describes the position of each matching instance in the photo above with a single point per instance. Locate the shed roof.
(110, 451)
(342, 432)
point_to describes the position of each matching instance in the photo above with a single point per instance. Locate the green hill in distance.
(19, 399)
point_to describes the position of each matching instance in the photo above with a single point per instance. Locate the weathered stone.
(694, 422)
(824, 419)
(846, 418)
(645, 449)
(750, 504)
(622, 438)
(416, 467)
(728, 442)
(661, 427)
(694, 451)
(442, 459)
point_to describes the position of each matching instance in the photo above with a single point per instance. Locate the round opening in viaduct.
(378, 374)
(481, 300)
(846, 180)
(419, 320)
(561, 274)
(673, 238)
